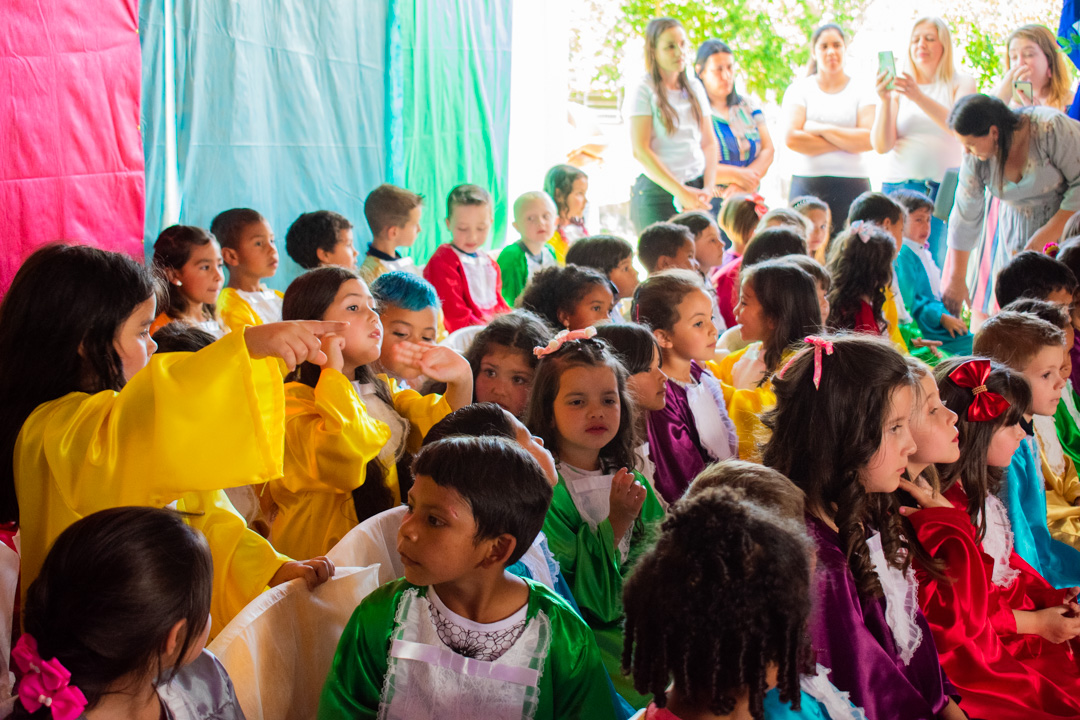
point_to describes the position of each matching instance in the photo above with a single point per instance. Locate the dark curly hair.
(556, 291)
(722, 597)
(970, 470)
(859, 268)
(822, 439)
(599, 252)
(311, 232)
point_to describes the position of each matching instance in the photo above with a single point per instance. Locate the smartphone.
(887, 63)
(1024, 88)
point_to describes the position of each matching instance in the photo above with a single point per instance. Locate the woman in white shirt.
(670, 131)
(829, 121)
(911, 123)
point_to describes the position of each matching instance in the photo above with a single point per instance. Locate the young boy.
(247, 248)
(409, 309)
(393, 214)
(467, 279)
(321, 238)
(534, 219)
(919, 277)
(1036, 349)
(1034, 275)
(664, 245)
(459, 636)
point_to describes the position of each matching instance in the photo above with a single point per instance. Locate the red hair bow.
(986, 404)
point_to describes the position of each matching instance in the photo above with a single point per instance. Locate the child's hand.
(953, 325)
(1055, 623)
(627, 496)
(294, 342)
(439, 363)
(332, 347)
(314, 572)
(923, 494)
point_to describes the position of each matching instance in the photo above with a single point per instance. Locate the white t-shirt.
(840, 109)
(924, 150)
(681, 150)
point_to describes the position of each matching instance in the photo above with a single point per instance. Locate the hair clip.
(1051, 249)
(819, 344)
(985, 404)
(799, 203)
(760, 208)
(564, 337)
(863, 229)
(45, 683)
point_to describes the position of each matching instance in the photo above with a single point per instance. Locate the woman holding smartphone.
(911, 124)
(829, 120)
(1035, 70)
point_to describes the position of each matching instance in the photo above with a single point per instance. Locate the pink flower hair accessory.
(45, 683)
(819, 344)
(1051, 249)
(564, 337)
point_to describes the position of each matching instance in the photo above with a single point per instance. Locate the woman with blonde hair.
(911, 123)
(1033, 56)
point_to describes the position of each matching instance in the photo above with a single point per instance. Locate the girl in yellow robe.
(91, 421)
(346, 429)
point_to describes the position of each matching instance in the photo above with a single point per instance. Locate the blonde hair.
(1058, 95)
(946, 69)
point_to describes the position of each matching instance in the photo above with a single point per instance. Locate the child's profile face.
(344, 253)
(1043, 373)
(684, 259)
(536, 221)
(823, 303)
(586, 410)
(882, 473)
(437, 538)
(401, 325)
(363, 337)
(896, 229)
(132, 340)
(933, 428)
(1004, 444)
(469, 226)
(534, 445)
(917, 226)
(505, 378)
(708, 248)
(819, 230)
(1062, 298)
(693, 335)
(202, 275)
(649, 389)
(575, 199)
(595, 306)
(411, 229)
(754, 325)
(625, 277)
(1066, 364)
(256, 252)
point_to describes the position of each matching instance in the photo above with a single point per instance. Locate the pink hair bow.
(1051, 249)
(759, 205)
(819, 345)
(862, 229)
(46, 683)
(564, 337)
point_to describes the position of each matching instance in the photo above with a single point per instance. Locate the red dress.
(998, 673)
(460, 308)
(726, 282)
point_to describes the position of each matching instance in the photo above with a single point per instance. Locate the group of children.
(775, 478)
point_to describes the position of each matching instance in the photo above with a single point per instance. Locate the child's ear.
(392, 232)
(322, 256)
(173, 276)
(500, 551)
(664, 262)
(663, 338)
(447, 221)
(229, 257)
(564, 319)
(514, 225)
(175, 638)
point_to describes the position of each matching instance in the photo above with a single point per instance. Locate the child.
(567, 186)
(995, 655)
(1069, 255)
(1035, 275)
(459, 636)
(784, 217)
(777, 308)
(860, 269)
(346, 428)
(692, 638)
(919, 278)
(822, 280)
(393, 214)
(188, 262)
(817, 212)
(321, 238)
(247, 248)
(708, 247)
(1035, 348)
(739, 218)
(840, 432)
(602, 509)
(664, 245)
(693, 429)
(408, 308)
(502, 359)
(569, 297)
(614, 257)
(466, 278)
(636, 348)
(117, 621)
(534, 219)
(181, 337)
(93, 422)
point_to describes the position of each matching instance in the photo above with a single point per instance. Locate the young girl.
(861, 269)
(840, 432)
(614, 257)
(739, 218)
(117, 621)
(816, 211)
(636, 348)
(569, 297)
(994, 655)
(601, 510)
(694, 641)
(346, 428)
(502, 360)
(567, 186)
(188, 261)
(91, 421)
(693, 429)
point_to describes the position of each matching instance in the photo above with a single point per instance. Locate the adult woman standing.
(911, 123)
(1030, 160)
(829, 120)
(670, 130)
(1033, 56)
(746, 149)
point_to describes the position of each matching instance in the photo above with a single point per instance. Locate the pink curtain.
(71, 159)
